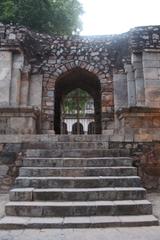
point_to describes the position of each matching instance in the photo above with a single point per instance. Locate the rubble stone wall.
(126, 66)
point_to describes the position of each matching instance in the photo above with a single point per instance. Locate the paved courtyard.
(141, 233)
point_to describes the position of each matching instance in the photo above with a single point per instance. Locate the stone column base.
(19, 120)
(142, 123)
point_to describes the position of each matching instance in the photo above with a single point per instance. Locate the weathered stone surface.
(72, 193)
(18, 120)
(18, 61)
(35, 92)
(38, 61)
(131, 85)
(120, 91)
(5, 77)
(24, 91)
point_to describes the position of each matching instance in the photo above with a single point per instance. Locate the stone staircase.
(77, 185)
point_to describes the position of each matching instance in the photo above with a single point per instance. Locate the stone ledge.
(19, 120)
(33, 138)
(21, 109)
(138, 110)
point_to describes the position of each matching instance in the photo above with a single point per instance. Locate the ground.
(141, 233)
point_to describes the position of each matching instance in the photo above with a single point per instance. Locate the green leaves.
(76, 101)
(7, 10)
(50, 16)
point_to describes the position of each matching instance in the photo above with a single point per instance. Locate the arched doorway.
(64, 128)
(77, 111)
(91, 128)
(77, 128)
(77, 80)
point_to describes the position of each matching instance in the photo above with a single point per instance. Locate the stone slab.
(9, 223)
(35, 91)
(18, 61)
(5, 77)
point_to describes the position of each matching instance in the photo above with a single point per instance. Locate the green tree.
(50, 16)
(75, 101)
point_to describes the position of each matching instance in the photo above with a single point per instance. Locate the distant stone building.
(121, 73)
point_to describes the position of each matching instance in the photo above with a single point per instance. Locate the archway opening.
(77, 112)
(83, 85)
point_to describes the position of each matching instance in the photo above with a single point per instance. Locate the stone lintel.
(138, 110)
(19, 110)
(11, 49)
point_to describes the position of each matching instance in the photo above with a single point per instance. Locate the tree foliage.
(50, 16)
(75, 101)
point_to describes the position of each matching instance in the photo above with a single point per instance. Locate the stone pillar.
(130, 85)
(24, 91)
(35, 91)
(139, 78)
(151, 64)
(18, 60)
(120, 95)
(120, 91)
(5, 77)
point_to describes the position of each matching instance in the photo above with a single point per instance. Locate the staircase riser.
(45, 183)
(63, 211)
(12, 226)
(76, 163)
(77, 153)
(51, 140)
(81, 196)
(76, 173)
(66, 145)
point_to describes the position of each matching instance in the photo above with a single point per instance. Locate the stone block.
(24, 194)
(5, 77)
(151, 64)
(3, 170)
(136, 58)
(131, 93)
(152, 94)
(120, 91)
(151, 56)
(151, 73)
(24, 90)
(18, 61)
(140, 97)
(18, 120)
(140, 123)
(35, 91)
(156, 122)
(138, 73)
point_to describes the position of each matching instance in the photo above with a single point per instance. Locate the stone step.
(65, 145)
(8, 223)
(77, 182)
(77, 162)
(54, 138)
(77, 171)
(77, 153)
(87, 208)
(77, 194)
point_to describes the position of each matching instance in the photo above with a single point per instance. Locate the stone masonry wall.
(40, 60)
(10, 161)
